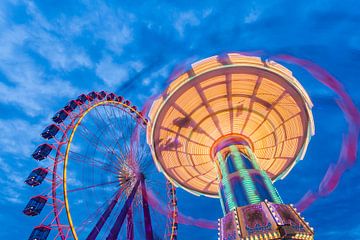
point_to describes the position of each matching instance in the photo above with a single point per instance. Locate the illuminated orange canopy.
(229, 95)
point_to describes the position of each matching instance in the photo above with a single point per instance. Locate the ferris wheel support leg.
(95, 231)
(130, 225)
(114, 232)
(148, 227)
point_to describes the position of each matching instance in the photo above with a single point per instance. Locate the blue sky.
(51, 51)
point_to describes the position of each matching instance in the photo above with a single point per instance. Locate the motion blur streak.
(348, 152)
(187, 220)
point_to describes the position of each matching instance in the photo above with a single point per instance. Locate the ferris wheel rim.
(58, 135)
(68, 146)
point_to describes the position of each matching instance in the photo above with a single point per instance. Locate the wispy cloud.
(34, 88)
(253, 15)
(103, 24)
(18, 137)
(13, 196)
(73, 180)
(28, 86)
(184, 20)
(13, 182)
(111, 73)
(45, 39)
(114, 74)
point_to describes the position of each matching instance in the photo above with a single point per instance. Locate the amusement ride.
(227, 128)
(101, 175)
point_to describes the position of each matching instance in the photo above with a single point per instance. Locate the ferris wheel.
(99, 176)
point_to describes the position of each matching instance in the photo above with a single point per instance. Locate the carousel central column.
(242, 181)
(250, 202)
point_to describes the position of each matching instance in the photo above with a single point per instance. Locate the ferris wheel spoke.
(106, 123)
(92, 186)
(112, 119)
(97, 118)
(120, 125)
(117, 143)
(146, 165)
(119, 155)
(94, 140)
(78, 157)
(83, 134)
(128, 144)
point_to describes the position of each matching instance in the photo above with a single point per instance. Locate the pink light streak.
(347, 156)
(182, 219)
(348, 153)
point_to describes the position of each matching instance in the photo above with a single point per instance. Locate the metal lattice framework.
(101, 174)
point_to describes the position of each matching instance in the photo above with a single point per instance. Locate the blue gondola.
(119, 99)
(174, 202)
(60, 116)
(36, 177)
(81, 99)
(127, 102)
(139, 115)
(101, 95)
(35, 205)
(145, 122)
(133, 109)
(91, 96)
(50, 131)
(110, 97)
(42, 152)
(40, 233)
(71, 106)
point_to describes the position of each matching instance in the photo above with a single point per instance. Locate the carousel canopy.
(225, 97)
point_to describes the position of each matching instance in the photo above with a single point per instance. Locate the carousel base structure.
(265, 220)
